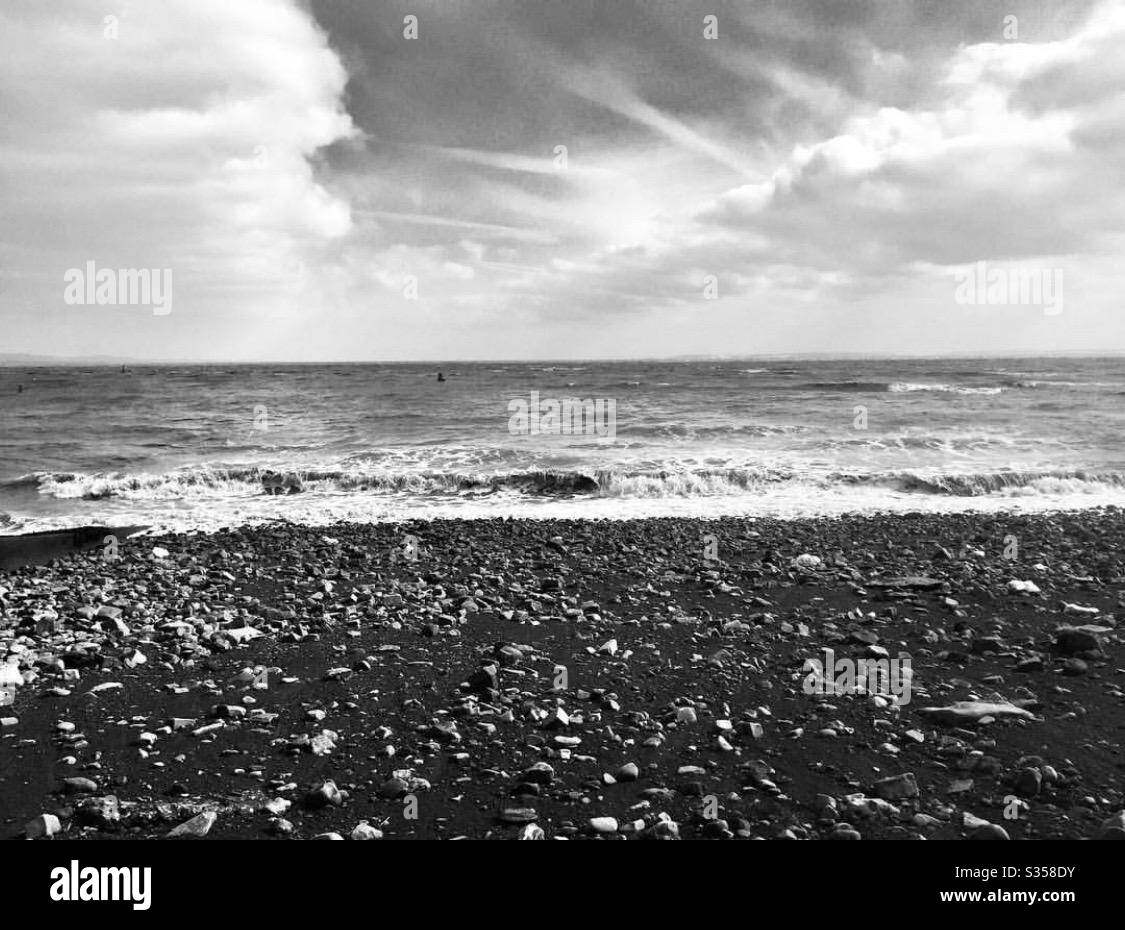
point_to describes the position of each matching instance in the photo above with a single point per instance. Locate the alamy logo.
(568, 417)
(105, 884)
(885, 677)
(1020, 286)
(120, 287)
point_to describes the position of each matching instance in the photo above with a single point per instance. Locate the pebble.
(1075, 640)
(43, 825)
(972, 711)
(198, 826)
(510, 731)
(1023, 587)
(897, 787)
(989, 831)
(324, 794)
(628, 772)
(104, 812)
(1113, 828)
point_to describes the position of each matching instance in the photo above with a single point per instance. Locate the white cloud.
(186, 141)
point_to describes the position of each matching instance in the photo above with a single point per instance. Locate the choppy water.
(186, 446)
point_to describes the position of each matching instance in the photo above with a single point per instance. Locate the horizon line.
(12, 359)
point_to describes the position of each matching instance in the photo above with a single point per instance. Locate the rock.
(989, 831)
(182, 723)
(806, 562)
(1074, 666)
(281, 826)
(412, 781)
(532, 831)
(686, 715)
(518, 815)
(844, 831)
(1070, 640)
(540, 773)
(323, 743)
(1080, 610)
(897, 787)
(394, 788)
(104, 812)
(199, 826)
(1028, 782)
(972, 711)
(1023, 587)
(364, 831)
(603, 824)
(324, 794)
(328, 836)
(43, 825)
(10, 675)
(1113, 828)
(485, 679)
(556, 719)
(508, 656)
(242, 634)
(79, 785)
(664, 829)
(628, 772)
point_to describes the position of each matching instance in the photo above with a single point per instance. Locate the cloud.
(179, 135)
(827, 165)
(995, 167)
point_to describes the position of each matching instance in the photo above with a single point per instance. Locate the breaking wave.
(899, 387)
(698, 482)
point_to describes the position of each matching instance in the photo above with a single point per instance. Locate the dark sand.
(376, 649)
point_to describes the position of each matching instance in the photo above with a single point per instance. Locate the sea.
(186, 447)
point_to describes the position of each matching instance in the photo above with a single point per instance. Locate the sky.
(476, 179)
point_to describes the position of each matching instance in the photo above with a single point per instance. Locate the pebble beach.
(578, 679)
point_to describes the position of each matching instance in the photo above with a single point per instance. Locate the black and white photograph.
(563, 420)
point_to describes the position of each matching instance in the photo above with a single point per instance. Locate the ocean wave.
(908, 387)
(862, 387)
(1012, 483)
(23, 481)
(680, 431)
(1037, 383)
(897, 387)
(219, 483)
